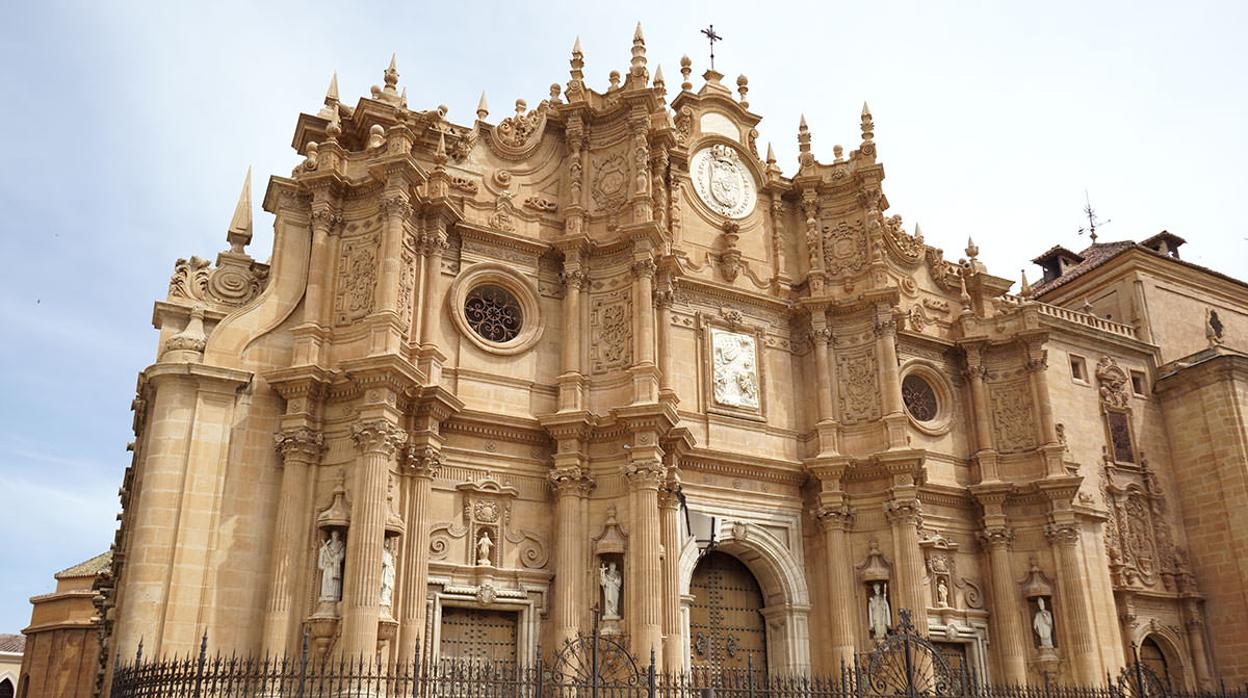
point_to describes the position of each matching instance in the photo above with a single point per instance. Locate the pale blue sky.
(130, 125)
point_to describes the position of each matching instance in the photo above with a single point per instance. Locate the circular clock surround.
(723, 181)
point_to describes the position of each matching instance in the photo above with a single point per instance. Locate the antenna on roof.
(1090, 212)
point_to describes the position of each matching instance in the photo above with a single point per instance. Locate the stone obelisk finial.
(637, 73)
(239, 233)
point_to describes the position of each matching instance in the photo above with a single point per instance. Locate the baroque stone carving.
(517, 135)
(357, 279)
(1012, 420)
(734, 371)
(1113, 382)
(844, 248)
(235, 282)
(860, 385)
(610, 185)
(723, 181)
(611, 326)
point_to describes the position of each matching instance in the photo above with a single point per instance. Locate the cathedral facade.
(600, 362)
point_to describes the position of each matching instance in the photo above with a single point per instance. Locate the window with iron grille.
(493, 313)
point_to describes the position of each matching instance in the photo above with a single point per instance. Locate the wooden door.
(726, 624)
(478, 634)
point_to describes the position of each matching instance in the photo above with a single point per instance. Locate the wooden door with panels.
(726, 625)
(479, 635)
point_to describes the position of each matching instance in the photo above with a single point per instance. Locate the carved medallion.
(734, 371)
(723, 181)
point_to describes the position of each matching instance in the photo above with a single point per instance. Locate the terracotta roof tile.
(1101, 252)
(12, 643)
(87, 568)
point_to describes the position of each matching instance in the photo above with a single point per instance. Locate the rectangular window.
(1120, 436)
(1138, 386)
(1078, 369)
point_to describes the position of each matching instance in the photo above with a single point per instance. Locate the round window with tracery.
(493, 313)
(919, 398)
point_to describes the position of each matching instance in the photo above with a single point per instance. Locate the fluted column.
(985, 453)
(643, 569)
(301, 449)
(890, 376)
(571, 379)
(822, 336)
(1011, 639)
(1037, 365)
(378, 442)
(422, 467)
(571, 488)
(645, 382)
(836, 522)
(669, 525)
(664, 297)
(904, 514)
(435, 245)
(1074, 603)
(397, 209)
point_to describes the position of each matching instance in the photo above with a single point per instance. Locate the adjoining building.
(600, 360)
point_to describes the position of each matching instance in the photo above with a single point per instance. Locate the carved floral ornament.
(496, 309)
(723, 181)
(234, 282)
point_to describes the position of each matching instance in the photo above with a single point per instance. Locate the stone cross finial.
(239, 232)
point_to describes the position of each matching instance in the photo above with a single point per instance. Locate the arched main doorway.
(726, 624)
(1152, 657)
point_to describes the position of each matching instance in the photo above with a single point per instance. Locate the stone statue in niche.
(1043, 625)
(333, 552)
(942, 593)
(610, 580)
(879, 613)
(484, 546)
(387, 573)
(735, 370)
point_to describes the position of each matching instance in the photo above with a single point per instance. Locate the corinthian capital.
(839, 518)
(572, 480)
(300, 444)
(996, 536)
(644, 268)
(1062, 534)
(906, 510)
(378, 436)
(423, 461)
(644, 474)
(396, 205)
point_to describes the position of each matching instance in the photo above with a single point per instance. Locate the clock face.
(723, 181)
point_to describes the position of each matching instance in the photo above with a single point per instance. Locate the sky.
(131, 125)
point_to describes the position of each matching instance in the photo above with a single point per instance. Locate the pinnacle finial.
(686, 67)
(576, 48)
(637, 67)
(660, 85)
(483, 109)
(868, 124)
(576, 64)
(1025, 289)
(743, 88)
(439, 155)
(391, 77)
(239, 232)
(972, 250)
(918, 232)
(771, 154)
(331, 94)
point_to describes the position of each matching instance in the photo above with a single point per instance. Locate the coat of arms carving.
(723, 181)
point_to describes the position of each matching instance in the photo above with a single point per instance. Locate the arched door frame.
(1173, 648)
(785, 594)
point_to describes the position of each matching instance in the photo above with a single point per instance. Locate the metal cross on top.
(711, 36)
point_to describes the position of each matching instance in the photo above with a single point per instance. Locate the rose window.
(493, 313)
(919, 398)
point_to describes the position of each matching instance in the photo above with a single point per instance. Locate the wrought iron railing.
(905, 665)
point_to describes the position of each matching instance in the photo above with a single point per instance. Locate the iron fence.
(906, 665)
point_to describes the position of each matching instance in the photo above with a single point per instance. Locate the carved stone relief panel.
(844, 247)
(407, 287)
(1012, 420)
(610, 182)
(611, 327)
(860, 385)
(734, 369)
(357, 279)
(723, 181)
